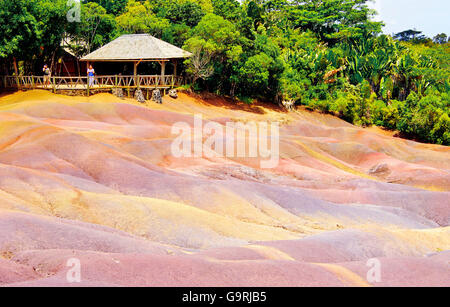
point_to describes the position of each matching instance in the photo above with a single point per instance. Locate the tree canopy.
(328, 55)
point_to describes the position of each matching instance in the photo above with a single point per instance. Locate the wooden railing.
(100, 82)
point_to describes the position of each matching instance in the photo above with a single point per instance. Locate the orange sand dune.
(95, 179)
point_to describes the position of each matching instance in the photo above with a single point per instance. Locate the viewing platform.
(127, 49)
(80, 85)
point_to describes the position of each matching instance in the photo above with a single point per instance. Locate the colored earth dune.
(94, 179)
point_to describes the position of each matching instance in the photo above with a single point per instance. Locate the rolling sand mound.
(94, 179)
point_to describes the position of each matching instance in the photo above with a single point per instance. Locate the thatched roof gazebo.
(138, 48)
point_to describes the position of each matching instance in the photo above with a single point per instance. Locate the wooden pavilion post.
(134, 74)
(136, 78)
(175, 62)
(16, 72)
(174, 75)
(87, 78)
(163, 72)
(53, 79)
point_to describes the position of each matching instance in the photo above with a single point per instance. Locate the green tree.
(139, 18)
(96, 28)
(228, 9)
(185, 12)
(31, 29)
(440, 39)
(18, 30)
(411, 36)
(114, 7)
(219, 40)
(333, 20)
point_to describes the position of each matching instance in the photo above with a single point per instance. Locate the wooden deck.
(55, 84)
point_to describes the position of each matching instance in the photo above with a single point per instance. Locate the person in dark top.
(47, 75)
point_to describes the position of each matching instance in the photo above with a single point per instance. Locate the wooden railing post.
(87, 86)
(128, 88)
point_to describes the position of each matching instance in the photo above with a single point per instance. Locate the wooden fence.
(100, 82)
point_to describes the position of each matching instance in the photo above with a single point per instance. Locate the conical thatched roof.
(136, 47)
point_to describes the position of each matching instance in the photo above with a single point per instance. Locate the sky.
(429, 16)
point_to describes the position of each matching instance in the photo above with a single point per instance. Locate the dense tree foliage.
(327, 55)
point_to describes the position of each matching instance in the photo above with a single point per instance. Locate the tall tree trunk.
(15, 66)
(78, 66)
(53, 62)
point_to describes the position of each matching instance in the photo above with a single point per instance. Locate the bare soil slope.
(94, 179)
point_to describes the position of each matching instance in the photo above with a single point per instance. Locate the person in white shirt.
(91, 75)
